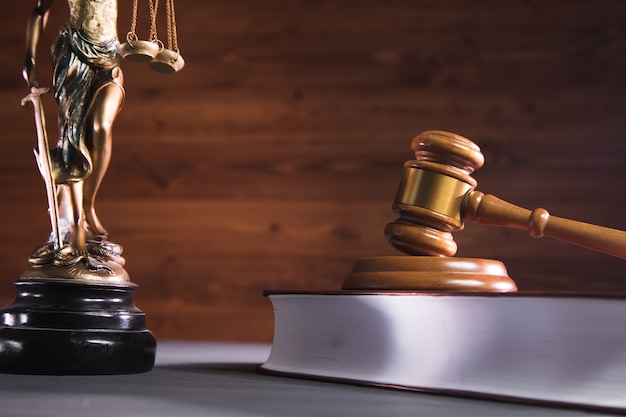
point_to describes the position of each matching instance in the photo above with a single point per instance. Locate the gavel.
(436, 197)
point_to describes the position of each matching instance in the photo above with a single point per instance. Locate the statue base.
(68, 327)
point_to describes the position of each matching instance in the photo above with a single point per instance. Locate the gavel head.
(430, 198)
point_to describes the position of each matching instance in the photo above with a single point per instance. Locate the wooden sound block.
(429, 273)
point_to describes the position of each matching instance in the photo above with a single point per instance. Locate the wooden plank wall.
(272, 159)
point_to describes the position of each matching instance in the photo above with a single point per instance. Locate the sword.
(42, 156)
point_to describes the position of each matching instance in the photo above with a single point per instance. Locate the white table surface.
(219, 379)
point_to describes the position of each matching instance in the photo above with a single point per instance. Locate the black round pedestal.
(68, 328)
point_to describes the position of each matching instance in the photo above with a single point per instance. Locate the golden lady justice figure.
(88, 88)
(74, 312)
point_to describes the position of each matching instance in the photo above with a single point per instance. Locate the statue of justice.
(88, 87)
(74, 311)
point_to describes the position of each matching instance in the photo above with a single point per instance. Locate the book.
(553, 349)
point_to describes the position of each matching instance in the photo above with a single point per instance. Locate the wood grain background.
(272, 159)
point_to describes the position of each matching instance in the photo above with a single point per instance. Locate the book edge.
(518, 294)
(266, 369)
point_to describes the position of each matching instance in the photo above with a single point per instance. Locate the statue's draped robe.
(81, 68)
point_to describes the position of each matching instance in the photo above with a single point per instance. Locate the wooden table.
(218, 379)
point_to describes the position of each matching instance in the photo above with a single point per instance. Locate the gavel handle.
(490, 210)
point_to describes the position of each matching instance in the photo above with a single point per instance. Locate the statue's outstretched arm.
(34, 29)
